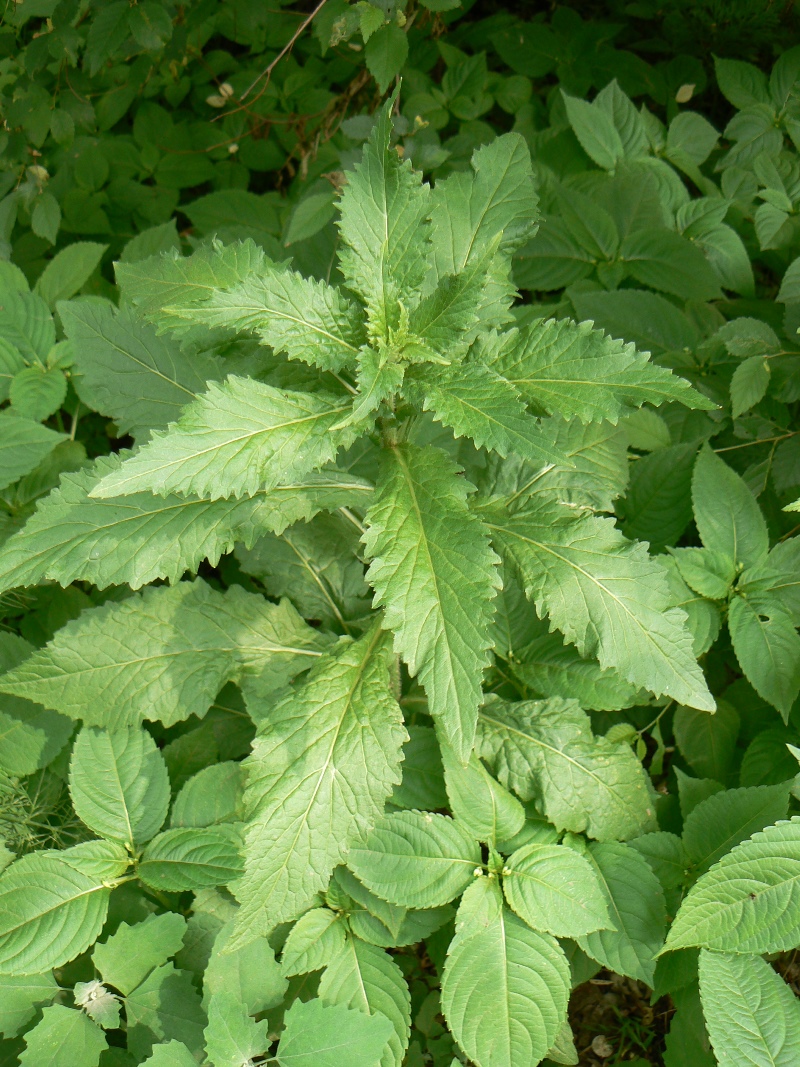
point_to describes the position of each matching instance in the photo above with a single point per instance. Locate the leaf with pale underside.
(326, 758)
(165, 654)
(434, 573)
(239, 438)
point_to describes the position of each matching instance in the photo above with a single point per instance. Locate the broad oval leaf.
(192, 858)
(555, 890)
(327, 1035)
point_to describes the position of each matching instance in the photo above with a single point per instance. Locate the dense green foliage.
(399, 548)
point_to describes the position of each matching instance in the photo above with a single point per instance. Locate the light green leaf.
(23, 445)
(383, 210)
(707, 572)
(728, 518)
(165, 654)
(20, 996)
(26, 323)
(37, 392)
(165, 1006)
(212, 795)
(385, 54)
(119, 784)
(170, 1054)
(751, 1014)
(595, 130)
(98, 859)
(307, 319)
(326, 1035)
(250, 973)
(635, 902)
(476, 402)
(767, 646)
(237, 439)
(727, 818)
(136, 539)
(127, 957)
(313, 942)
(364, 977)
(750, 900)
(504, 987)
(232, 1037)
(192, 858)
(416, 859)
(126, 371)
(68, 271)
(63, 1036)
(555, 890)
(49, 913)
(46, 217)
(434, 573)
(605, 594)
(572, 369)
(545, 751)
(478, 802)
(322, 766)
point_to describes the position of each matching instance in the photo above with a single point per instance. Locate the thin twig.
(267, 71)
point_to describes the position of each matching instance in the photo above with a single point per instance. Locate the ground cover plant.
(400, 555)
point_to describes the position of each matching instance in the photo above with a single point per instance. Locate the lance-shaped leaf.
(636, 905)
(165, 654)
(505, 987)
(23, 445)
(752, 1015)
(63, 1035)
(49, 913)
(496, 199)
(173, 280)
(434, 573)
(569, 369)
(126, 371)
(727, 515)
(365, 977)
(750, 900)
(416, 859)
(326, 758)
(605, 594)
(545, 751)
(237, 439)
(119, 784)
(556, 890)
(476, 402)
(136, 539)
(307, 319)
(383, 211)
(767, 646)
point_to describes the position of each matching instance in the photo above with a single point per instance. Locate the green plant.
(407, 713)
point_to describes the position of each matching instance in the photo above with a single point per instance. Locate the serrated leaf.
(30, 735)
(434, 573)
(24, 443)
(19, 998)
(165, 654)
(706, 572)
(165, 1006)
(63, 1036)
(232, 1037)
(119, 784)
(749, 384)
(476, 402)
(127, 957)
(250, 973)
(307, 319)
(728, 518)
(136, 539)
(321, 768)
(126, 371)
(478, 802)
(212, 795)
(99, 860)
(767, 646)
(571, 369)
(751, 1014)
(545, 751)
(237, 439)
(192, 858)
(322, 1035)
(554, 889)
(383, 207)
(727, 818)
(416, 859)
(750, 900)
(635, 902)
(364, 977)
(68, 270)
(26, 323)
(49, 913)
(37, 392)
(314, 940)
(170, 1054)
(504, 987)
(605, 594)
